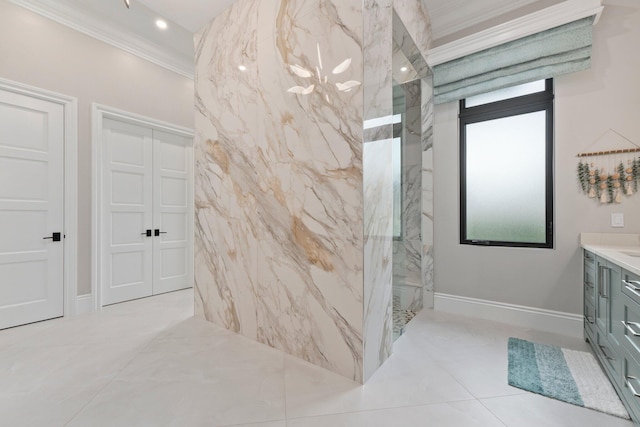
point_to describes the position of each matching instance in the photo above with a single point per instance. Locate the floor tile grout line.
(118, 372)
(382, 409)
(496, 416)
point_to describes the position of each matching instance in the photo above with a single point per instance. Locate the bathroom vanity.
(611, 277)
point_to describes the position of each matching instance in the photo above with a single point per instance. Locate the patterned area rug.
(568, 375)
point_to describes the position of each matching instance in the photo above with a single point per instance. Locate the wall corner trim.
(550, 17)
(84, 304)
(528, 317)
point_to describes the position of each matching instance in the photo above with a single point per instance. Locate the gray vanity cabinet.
(612, 325)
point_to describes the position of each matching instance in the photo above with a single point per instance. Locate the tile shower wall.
(412, 35)
(293, 245)
(407, 250)
(279, 200)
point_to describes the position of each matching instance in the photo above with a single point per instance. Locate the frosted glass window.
(506, 173)
(506, 93)
(506, 179)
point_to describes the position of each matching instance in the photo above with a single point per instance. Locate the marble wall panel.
(279, 199)
(310, 177)
(225, 142)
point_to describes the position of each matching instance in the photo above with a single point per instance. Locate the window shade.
(560, 50)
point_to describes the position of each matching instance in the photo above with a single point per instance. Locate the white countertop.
(618, 249)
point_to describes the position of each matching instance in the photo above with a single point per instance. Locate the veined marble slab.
(279, 177)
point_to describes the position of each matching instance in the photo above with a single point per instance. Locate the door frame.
(70, 205)
(98, 114)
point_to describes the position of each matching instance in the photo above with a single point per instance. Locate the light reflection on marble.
(279, 180)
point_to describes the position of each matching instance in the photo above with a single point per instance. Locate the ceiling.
(110, 20)
(190, 14)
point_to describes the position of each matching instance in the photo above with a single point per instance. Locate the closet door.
(31, 209)
(172, 213)
(127, 233)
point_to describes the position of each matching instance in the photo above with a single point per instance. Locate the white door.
(172, 183)
(127, 235)
(147, 224)
(31, 209)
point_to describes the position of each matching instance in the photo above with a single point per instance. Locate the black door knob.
(56, 237)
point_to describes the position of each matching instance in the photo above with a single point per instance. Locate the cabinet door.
(615, 312)
(589, 277)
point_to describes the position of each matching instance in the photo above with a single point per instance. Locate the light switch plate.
(617, 220)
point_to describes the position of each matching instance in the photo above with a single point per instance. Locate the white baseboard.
(84, 304)
(527, 317)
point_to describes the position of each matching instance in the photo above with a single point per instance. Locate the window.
(506, 167)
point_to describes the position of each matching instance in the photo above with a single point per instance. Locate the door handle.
(157, 232)
(56, 237)
(146, 233)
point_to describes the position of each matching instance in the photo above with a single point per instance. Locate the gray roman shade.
(560, 50)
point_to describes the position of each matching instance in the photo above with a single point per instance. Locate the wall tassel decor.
(611, 174)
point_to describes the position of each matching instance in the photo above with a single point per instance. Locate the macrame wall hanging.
(610, 175)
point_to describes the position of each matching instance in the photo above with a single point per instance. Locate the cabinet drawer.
(609, 358)
(631, 285)
(631, 327)
(630, 385)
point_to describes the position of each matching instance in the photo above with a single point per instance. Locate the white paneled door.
(31, 209)
(172, 220)
(147, 221)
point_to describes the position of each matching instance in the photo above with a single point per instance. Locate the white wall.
(45, 54)
(587, 104)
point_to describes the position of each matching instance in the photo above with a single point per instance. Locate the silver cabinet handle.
(605, 350)
(589, 285)
(631, 286)
(589, 319)
(601, 284)
(629, 327)
(631, 388)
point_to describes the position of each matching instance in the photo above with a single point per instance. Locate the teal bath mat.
(568, 375)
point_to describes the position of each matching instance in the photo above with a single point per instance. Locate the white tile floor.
(150, 363)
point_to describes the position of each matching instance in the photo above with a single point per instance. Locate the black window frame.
(539, 101)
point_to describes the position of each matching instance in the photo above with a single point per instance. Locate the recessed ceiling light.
(161, 24)
(404, 69)
(242, 68)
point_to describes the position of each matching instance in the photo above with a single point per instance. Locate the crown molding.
(115, 37)
(554, 16)
(463, 21)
